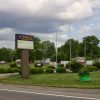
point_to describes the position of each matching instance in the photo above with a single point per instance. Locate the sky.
(45, 18)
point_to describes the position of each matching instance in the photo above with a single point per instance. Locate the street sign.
(23, 41)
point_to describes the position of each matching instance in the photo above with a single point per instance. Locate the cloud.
(43, 18)
(41, 15)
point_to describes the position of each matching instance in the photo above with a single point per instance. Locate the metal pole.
(91, 54)
(84, 46)
(70, 44)
(76, 52)
(56, 50)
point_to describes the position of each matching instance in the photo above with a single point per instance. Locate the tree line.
(46, 49)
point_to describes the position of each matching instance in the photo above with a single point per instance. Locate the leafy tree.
(66, 48)
(92, 46)
(60, 57)
(5, 54)
(36, 53)
(48, 49)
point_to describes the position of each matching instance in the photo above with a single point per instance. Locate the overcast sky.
(43, 18)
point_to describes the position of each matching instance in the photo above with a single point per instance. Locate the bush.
(49, 70)
(60, 70)
(68, 66)
(75, 67)
(3, 70)
(38, 64)
(84, 71)
(51, 67)
(61, 65)
(19, 70)
(40, 70)
(13, 65)
(91, 68)
(10, 70)
(33, 71)
(97, 64)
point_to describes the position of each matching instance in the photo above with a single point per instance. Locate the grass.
(4, 65)
(68, 80)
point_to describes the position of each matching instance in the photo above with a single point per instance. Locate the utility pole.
(70, 44)
(91, 53)
(76, 52)
(85, 46)
(56, 51)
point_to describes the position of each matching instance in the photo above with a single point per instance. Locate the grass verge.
(68, 80)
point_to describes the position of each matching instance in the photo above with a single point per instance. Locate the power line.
(97, 5)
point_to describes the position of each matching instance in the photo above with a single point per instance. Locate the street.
(11, 95)
(22, 92)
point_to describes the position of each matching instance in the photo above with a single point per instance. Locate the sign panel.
(80, 59)
(89, 62)
(23, 41)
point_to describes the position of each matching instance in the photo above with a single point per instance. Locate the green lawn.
(70, 80)
(4, 65)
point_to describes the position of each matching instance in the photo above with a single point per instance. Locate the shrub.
(10, 70)
(13, 65)
(91, 68)
(38, 64)
(19, 70)
(68, 66)
(97, 64)
(33, 71)
(51, 67)
(75, 67)
(40, 70)
(61, 65)
(3, 70)
(84, 71)
(49, 70)
(60, 70)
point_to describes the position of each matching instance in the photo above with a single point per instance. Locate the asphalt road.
(23, 92)
(11, 95)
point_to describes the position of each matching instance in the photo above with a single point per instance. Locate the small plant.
(10, 70)
(91, 68)
(3, 70)
(38, 64)
(61, 70)
(13, 65)
(97, 64)
(33, 71)
(19, 70)
(49, 70)
(51, 67)
(40, 70)
(75, 67)
(83, 72)
(68, 66)
(61, 65)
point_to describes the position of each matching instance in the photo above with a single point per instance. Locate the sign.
(64, 63)
(89, 62)
(80, 59)
(23, 41)
(52, 64)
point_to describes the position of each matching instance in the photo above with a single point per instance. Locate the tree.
(48, 49)
(92, 46)
(66, 48)
(60, 57)
(5, 54)
(36, 53)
